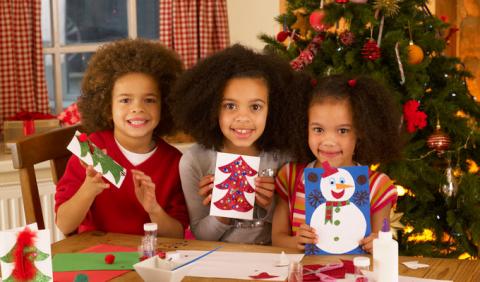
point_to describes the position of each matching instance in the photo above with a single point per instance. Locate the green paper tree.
(31, 254)
(443, 187)
(99, 157)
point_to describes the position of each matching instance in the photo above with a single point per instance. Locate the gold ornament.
(390, 7)
(395, 224)
(415, 54)
(302, 23)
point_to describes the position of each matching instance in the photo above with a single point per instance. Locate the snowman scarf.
(329, 209)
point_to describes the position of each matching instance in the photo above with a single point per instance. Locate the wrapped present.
(26, 123)
(70, 116)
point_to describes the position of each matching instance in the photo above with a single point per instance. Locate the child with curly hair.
(241, 102)
(123, 108)
(349, 122)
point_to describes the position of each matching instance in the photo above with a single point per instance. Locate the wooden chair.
(50, 145)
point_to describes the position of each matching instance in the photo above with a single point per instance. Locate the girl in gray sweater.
(241, 102)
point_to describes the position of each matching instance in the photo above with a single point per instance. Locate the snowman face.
(338, 186)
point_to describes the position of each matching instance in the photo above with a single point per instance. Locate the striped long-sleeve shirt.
(290, 186)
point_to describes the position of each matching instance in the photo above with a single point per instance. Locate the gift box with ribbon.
(26, 123)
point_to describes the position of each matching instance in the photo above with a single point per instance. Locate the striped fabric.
(290, 186)
(22, 79)
(194, 29)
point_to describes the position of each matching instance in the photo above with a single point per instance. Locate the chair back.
(30, 150)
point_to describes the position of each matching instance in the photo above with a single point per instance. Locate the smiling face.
(331, 135)
(135, 111)
(243, 114)
(338, 186)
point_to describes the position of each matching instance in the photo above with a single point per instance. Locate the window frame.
(56, 50)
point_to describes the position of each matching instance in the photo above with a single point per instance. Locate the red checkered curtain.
(194, 28)
(22, 77)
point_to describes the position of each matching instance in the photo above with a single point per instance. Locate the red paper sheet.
(95, 275)
(338, 273)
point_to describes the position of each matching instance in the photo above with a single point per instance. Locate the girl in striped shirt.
(349, 122)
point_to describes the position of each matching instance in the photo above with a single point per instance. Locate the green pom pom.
(81, 278)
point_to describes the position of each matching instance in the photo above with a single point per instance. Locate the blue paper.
(338, 207)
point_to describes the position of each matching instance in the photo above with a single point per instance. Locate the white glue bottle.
(385, 255)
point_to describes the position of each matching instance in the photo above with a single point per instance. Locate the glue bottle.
(149, 240)
(385, 255)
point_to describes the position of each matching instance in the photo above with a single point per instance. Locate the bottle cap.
(361, 261)
(385, 226)
(150, 227)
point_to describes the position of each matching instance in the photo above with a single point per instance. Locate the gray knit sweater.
(197, 162)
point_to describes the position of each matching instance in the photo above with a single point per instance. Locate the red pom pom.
(161, 254)
(282, 35)
(109, 259)
(414, 118)
(82, 137)
(352, 82)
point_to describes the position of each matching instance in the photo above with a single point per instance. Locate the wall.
(249, 18)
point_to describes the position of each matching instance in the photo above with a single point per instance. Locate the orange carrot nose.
(343, 186)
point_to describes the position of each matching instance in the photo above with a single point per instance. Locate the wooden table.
(448, 269)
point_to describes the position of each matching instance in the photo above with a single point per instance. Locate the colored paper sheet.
(94, 261)
(95, 275)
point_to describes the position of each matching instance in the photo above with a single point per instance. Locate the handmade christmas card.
(90, 154)
(337, 202)
(233, 192)
(25, 255)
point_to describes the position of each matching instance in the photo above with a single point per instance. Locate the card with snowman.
(337, 206)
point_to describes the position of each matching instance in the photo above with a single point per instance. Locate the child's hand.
(367, 242)
(205, 187)
(93, 183)
(306, 235)
(264, 189)
(145, 191)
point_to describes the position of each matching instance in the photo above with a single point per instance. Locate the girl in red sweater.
(123, 109)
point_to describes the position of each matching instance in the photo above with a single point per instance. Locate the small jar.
(295, 272)
(360, 264)
(149, 240)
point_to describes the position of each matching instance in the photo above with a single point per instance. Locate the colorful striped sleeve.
(282, 181)
(382, 191)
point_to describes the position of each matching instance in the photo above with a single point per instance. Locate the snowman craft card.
(233, 192)
(337, 202)
(25, 254)
(90, 154)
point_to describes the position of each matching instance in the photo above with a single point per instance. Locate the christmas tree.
(400, 43)
(237, 185)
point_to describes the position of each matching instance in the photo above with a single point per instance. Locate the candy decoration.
(306, 56)
(370, 50)
(415, 54)
(400, 65)
(109, 259)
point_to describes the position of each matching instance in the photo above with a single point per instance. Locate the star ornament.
(395, 223)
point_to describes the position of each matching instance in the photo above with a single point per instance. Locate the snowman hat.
(328, 169)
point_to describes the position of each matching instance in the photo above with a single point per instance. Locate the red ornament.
(439, 140)
(109, 259)
(370, 50)
(316, 21)
(342, 1)
(282, 35)
(347, 38)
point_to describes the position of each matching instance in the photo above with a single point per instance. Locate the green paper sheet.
(94, 261)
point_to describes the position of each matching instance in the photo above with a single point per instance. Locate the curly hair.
(198, 94)
(376, 118)
(113, 60)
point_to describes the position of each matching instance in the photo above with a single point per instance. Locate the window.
(72, 30)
